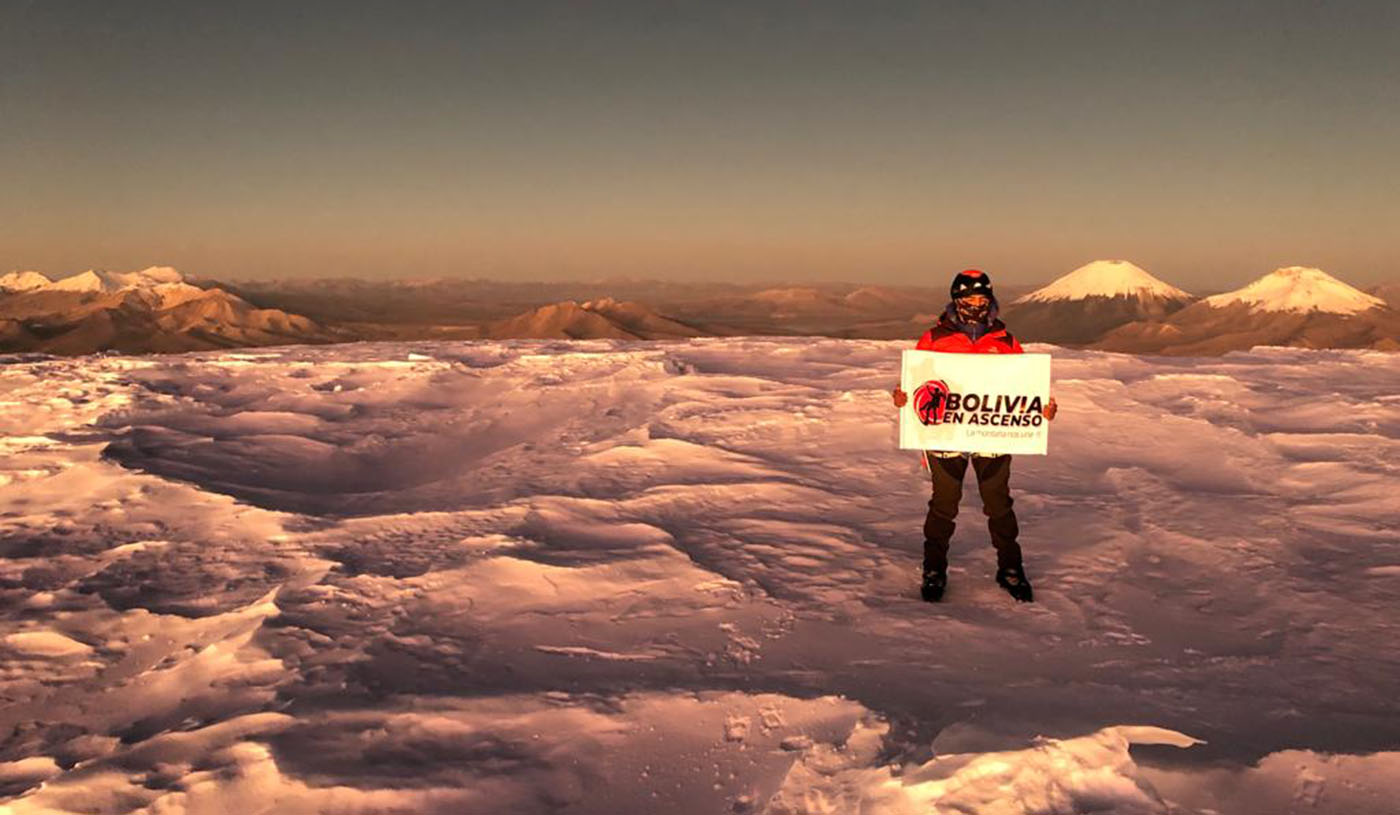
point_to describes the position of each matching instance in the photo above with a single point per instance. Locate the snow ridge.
(1105, 278)
(1299, 289)
(23, 281)
(94, 280)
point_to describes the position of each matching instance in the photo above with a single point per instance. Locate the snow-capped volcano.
(1105, 278)
(1292, 306)
(1299, 289)
(1092, 300)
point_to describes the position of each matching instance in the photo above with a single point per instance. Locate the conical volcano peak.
(1106, 278)
(1300, 289)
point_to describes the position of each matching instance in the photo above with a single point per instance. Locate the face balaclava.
(965, 285)
(973, 313)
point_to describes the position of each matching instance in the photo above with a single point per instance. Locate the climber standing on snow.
(969, 325)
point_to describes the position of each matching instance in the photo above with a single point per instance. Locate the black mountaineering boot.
(1013, 579)
(934, 584)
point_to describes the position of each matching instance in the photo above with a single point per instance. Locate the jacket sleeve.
(925, 342)
(1016, 346)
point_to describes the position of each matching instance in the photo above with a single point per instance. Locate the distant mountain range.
(1107, 304)
(153, 310)
(471, 308)
(596, 319)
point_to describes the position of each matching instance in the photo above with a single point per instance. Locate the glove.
(1050, 409)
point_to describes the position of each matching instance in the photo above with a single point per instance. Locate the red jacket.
(946, 337)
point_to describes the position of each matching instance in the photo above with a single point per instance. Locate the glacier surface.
(681, 577)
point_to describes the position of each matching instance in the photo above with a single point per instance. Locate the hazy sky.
(879, 141)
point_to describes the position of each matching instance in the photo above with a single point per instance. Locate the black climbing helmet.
(971, 281)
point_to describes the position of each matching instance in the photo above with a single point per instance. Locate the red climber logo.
(931, 401)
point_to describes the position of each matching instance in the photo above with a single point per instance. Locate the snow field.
(519, 576)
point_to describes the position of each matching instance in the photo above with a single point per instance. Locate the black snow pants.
(994, 483)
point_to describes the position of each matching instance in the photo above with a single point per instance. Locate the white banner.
(975, 403)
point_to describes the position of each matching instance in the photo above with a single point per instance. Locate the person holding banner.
(969, 324)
